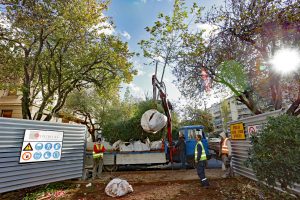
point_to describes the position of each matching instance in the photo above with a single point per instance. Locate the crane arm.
(163, 95)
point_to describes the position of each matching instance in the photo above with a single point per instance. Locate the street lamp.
(286, 60)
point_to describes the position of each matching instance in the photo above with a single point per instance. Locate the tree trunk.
(26, 102)
(39, 114)
(92, 132)
(276, 91)
(292, 109)
(48, 117)
(250, 104)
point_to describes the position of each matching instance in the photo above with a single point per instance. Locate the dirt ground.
(159, 184)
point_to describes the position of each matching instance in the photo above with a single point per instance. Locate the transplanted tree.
(170, 35)
(57, 46)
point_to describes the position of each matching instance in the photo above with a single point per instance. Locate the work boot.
(205, 183)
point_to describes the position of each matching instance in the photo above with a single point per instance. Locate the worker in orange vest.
(98, 153)
(226, 154)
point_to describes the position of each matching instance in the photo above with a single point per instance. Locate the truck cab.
(190, 133)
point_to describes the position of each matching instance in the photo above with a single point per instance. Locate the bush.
(131, 129)
(275, 155)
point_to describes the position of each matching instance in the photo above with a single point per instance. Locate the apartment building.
(10, 104)
(11, 107)
(236, 110)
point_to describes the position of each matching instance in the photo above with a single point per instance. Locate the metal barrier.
(240, 148)
(15, 175)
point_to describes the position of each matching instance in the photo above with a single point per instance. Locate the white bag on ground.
(118, 187)
(153, 121)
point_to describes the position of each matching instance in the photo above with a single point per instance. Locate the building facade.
(11, 107)
(228, 110)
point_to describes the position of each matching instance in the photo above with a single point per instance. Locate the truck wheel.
(110, 168)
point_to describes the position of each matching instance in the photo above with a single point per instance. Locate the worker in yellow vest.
(98, 158)
(200, 161)
(226, 154)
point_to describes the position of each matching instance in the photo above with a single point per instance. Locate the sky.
(130, 18)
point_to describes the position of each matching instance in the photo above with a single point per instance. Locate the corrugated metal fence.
(240, 148)
(14, 175)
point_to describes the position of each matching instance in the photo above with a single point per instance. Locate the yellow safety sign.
(237, 131)
(28, 147)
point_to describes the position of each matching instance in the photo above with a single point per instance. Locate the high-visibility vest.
(99, 148)
(225, 147)
(203, 154)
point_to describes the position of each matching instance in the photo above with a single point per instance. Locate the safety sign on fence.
(41, 145)
(237, 131)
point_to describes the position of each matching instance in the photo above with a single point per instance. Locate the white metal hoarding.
(40, 145)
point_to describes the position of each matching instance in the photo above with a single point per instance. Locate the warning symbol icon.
(28, 147)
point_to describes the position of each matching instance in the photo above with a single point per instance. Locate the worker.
(226, 154)
(200, 161)
(181, 146)
(98, 158)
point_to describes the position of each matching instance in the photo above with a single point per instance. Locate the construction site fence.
(240, 148)
(15, 175)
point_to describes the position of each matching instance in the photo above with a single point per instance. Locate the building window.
(6, 113)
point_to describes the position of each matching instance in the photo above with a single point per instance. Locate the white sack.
(153, 121)
(116, 145)
(156, 145)
(124, 147)
(118, 187)
(139, 146)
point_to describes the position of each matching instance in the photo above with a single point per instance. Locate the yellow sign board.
(237, 131)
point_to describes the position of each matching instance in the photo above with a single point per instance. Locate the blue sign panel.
(39, 146)
(48, 146)
(37, 155)
(56, 154)
(57, 146)
(47, 155)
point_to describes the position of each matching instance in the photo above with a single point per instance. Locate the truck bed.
(134, 157)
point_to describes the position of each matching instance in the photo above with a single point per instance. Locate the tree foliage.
(236, 55)
(57, 46)
(225, 111)
(129, 128)
(92, 107)
(170, 36)
(259, 28)
(275, 155)
(195, 116)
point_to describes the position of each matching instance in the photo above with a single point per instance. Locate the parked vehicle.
(214, 146)
(114, 159)
(190, 133)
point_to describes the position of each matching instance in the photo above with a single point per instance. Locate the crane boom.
(166, 106)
